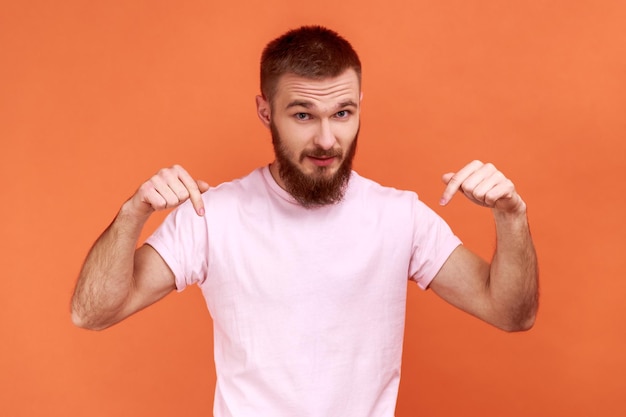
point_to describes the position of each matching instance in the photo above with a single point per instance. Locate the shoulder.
(371, 199)
(249, 182)
(368, 188)
(387, 199)
(237, 190)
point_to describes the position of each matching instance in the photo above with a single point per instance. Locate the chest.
(268, 261)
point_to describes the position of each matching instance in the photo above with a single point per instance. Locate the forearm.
(513, 278)
(106, 280)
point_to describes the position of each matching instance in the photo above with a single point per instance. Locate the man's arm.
(118, 280)
(505, 291)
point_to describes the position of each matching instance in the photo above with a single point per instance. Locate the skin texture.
(504, 292)
(117, 280)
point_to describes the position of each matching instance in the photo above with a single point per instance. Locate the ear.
(263, 110)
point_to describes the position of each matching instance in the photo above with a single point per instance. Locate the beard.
(319, 188)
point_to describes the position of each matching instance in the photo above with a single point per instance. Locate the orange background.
(96, 96)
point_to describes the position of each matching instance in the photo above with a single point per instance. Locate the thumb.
(202, 185)
(447, 177)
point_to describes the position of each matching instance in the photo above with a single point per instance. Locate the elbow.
(520, 324)
(81, 321)
(529, 323)
(85, 322)
(520, 318)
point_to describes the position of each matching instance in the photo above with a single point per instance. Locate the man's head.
(310, 52)
(310, 82)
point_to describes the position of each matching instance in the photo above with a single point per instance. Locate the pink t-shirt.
(308, 305)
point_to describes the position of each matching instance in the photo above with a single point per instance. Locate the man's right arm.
(118, 280)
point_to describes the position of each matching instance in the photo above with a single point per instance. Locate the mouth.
(322, 161)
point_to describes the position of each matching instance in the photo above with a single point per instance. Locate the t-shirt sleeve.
(433, 242)
(182, 242)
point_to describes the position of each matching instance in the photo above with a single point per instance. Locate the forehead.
(317, 92)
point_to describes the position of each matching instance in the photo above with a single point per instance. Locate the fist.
(169, 188)
(484, 185)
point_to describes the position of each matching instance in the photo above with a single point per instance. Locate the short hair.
(310, 51)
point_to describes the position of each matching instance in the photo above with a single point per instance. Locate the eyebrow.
(308, 104)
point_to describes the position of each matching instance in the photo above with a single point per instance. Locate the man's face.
(314, 125)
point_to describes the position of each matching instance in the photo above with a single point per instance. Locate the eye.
(302, 116)
(342, 114)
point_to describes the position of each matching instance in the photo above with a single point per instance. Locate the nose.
(325, 137)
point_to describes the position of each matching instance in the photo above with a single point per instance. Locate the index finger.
(454, 181)
(194, 192)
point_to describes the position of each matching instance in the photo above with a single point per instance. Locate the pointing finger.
(195, 194)
(454, 181)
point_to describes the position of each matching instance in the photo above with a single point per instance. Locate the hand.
(484, 185)
(169, 188)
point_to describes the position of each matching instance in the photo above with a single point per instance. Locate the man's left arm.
(504, 292)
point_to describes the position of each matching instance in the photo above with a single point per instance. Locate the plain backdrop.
(95, 97)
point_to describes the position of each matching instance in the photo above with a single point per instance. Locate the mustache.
(322, 153)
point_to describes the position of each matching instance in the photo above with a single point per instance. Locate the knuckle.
(160, 205)
(183, 195)
(163, 173)
(479, 192)
(509, 187)
(490, 197)
(190, 186)
(455, 180)
(146, 188)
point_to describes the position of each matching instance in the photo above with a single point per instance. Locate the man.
(303, 264)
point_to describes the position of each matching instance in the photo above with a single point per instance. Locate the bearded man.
(304, 263)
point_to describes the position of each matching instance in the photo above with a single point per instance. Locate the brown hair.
(309, 51)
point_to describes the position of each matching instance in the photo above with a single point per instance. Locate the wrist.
(135, 211)
(511, 216)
